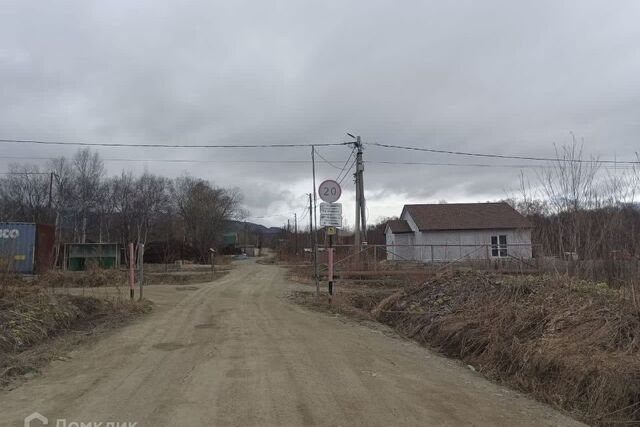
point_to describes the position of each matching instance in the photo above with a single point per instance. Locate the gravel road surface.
(238, 352)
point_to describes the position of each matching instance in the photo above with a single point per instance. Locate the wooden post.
(488, 258)
(132, 262)
(140, 269)
(330, 267)
(375, 257)
(212, 255)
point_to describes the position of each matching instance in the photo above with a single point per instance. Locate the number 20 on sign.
(330, 191)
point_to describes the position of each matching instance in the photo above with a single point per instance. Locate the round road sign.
(330, 191)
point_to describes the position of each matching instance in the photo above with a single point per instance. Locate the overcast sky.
(506, 77)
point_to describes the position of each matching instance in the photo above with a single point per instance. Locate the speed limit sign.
(330, 191)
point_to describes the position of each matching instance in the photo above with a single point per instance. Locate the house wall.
(389, 238)
(399, 252)
(478, 243)
(518, 244)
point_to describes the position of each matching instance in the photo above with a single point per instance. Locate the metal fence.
(371, 257)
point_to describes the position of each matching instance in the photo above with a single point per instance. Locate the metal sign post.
(331, 231)
(330, 217)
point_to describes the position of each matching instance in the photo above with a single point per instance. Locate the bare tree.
(24, 194)
(569, 189)
(203, 209)
(87, 184)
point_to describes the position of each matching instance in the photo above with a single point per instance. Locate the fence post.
(488, 257)
(375, 257)
(432, 256)
(330, 270)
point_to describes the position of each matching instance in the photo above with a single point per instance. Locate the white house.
(451, 231)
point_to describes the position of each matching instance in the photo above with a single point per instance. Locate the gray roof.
(466, 216)
(399, 226)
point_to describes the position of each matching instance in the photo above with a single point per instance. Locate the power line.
(116, 144)
(477, 165)
(500, 156)
(346, 163)
(326, 161)
(380, 162)
(111, 159)
(348, 170)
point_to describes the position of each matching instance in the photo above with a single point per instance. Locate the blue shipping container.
(17, 247)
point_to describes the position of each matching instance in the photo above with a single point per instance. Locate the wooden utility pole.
(295, 230)
(315, 222)
(363, 209)
(313, 246)
(360, 234)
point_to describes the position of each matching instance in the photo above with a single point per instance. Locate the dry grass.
(32, 315)
(573, 344)
(93, 278)
(96, 278)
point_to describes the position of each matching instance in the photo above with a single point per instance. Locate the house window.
(499, 246)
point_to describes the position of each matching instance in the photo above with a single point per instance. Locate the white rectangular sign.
(330, 208)
(331, 220)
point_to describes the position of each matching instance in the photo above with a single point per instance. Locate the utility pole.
(361, 215)
(313, 245)
(363, 211)
(315, 222)
(295, 230)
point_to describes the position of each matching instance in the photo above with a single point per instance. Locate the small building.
(82, 256)
(458, 231)
(26, 247)
(250, 250)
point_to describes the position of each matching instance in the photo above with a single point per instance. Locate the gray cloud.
(495, 76)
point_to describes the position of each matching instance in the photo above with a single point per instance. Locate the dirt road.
(237, 352)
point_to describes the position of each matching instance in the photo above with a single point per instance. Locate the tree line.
(583, 207)
(184, 214)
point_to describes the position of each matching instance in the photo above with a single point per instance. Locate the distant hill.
(237, 226)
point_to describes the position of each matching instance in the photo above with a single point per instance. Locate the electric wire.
(501, 156)
(292, 162)
(325, 160)
(117, 144)
(348, 170)
(346, 163)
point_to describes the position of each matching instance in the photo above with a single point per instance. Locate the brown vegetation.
(571, 343)
(97, 278)
(31, 315)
